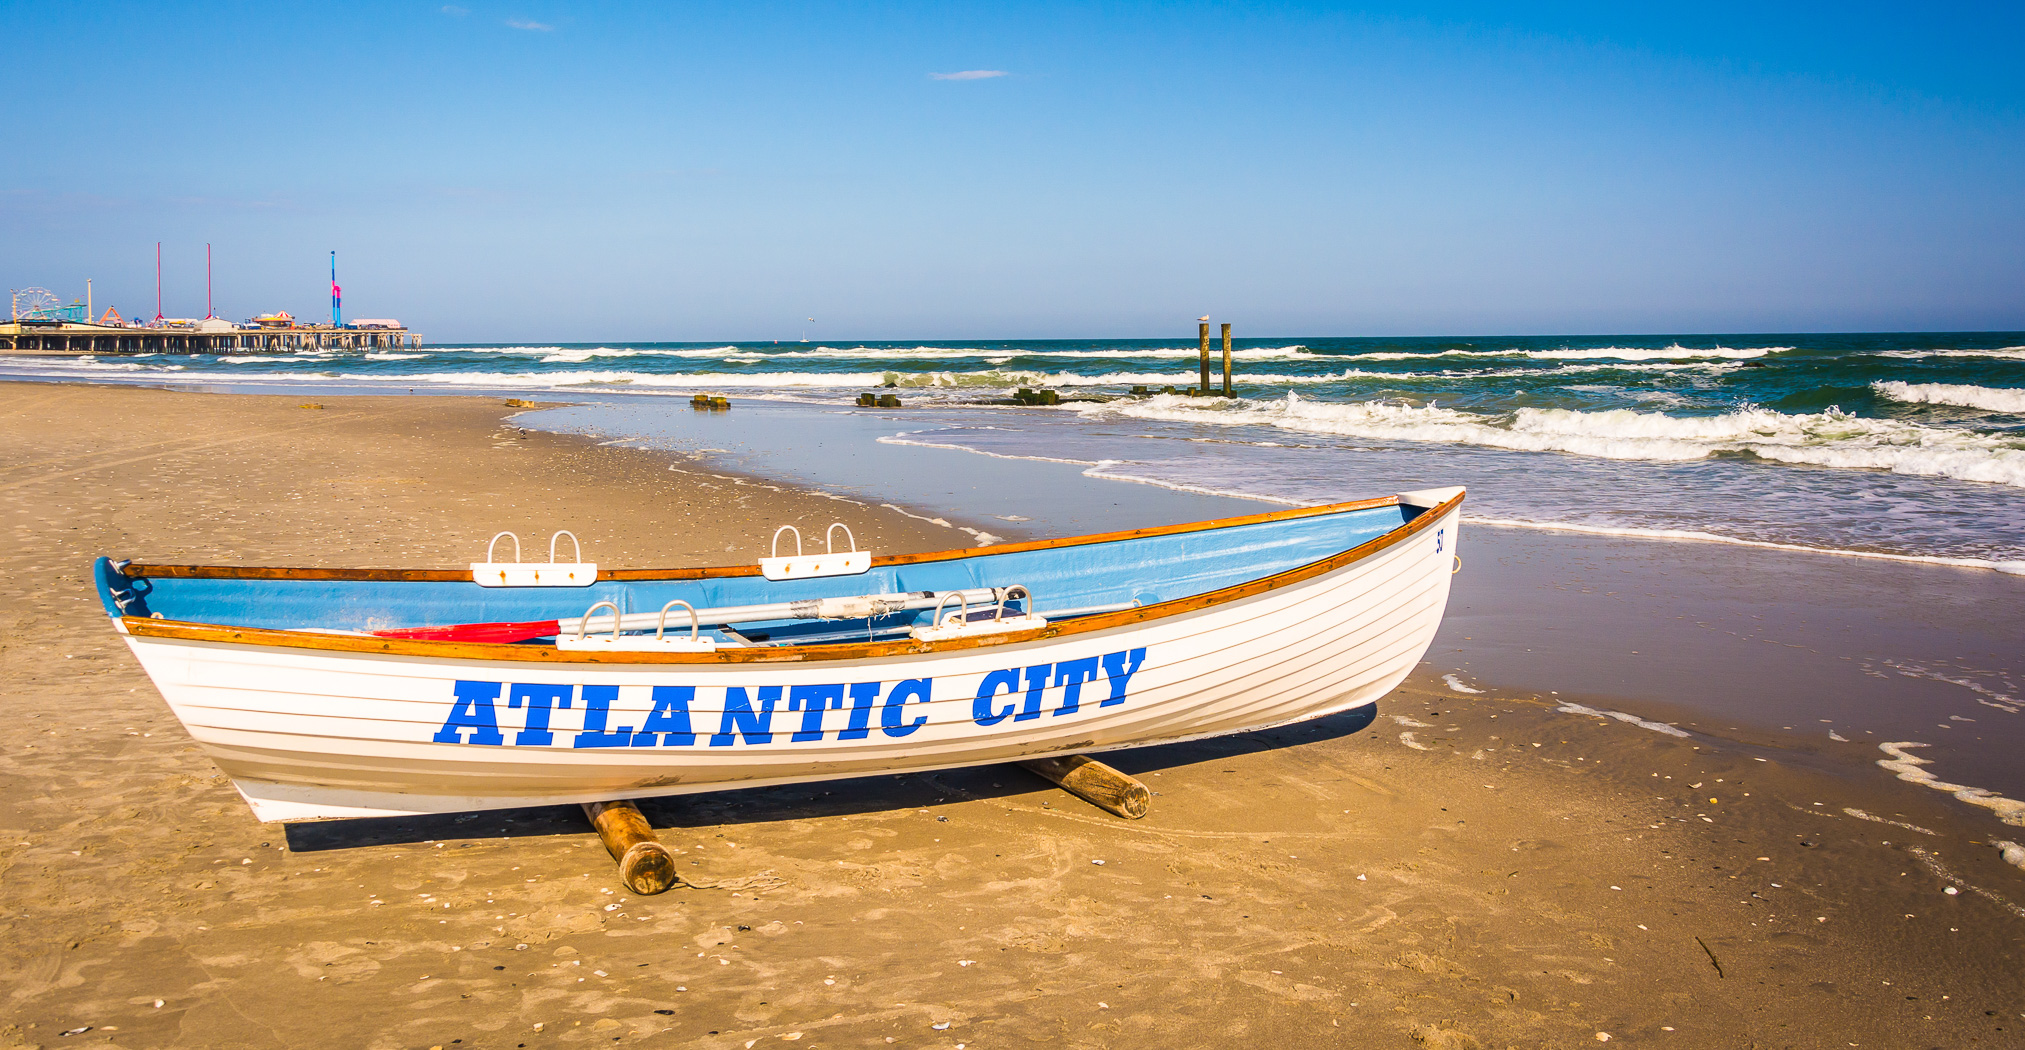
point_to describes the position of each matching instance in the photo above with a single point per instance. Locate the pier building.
(209, 336)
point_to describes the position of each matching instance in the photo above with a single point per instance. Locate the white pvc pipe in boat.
(849, 608)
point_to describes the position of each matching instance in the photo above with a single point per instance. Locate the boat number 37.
(670, 715)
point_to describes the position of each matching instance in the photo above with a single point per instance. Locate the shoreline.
(1734, 639)
(1922, 695)
(1889, 532)
(1456, 869)
(1967, 713)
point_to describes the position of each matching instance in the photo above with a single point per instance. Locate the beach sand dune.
(1449, 870)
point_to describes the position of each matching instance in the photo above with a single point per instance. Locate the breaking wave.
(1273, 353)
(700, 381)
(767, 352)
(576, 355)
(1993, 399)
(1617, 353)
(93, 364)
(1831, 438)
(1005, 378)
(2005, 353)
(985, 380)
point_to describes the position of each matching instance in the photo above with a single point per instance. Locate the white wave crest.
(1617, 353)
(1147, 474)
(578, 355)
(1831, 439)
(2005, 353)
(255, 359)
(384, 355)
(1537, 371)
(2014, 567)
(1994, 399)
(93, 364)
(890, 353)
(1013, 377)
(1256, 353)
(699, 381)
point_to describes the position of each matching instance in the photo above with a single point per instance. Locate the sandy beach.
(1451, 870)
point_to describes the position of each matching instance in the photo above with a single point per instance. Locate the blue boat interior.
(1069, 580)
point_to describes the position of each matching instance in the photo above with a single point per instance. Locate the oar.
(851, 608)
(497, 633)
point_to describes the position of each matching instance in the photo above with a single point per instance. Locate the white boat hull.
(313, 733)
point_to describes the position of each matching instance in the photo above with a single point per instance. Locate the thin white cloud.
(968, 74)
(538, 27)
(453, 9)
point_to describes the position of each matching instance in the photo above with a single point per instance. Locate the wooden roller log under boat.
(364, 692)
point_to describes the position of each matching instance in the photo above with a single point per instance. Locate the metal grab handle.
(1007, 596)
(831, 532)
(516, 548)
(695, 625)
(936, 616)
(1458, 565)
(585, 623)
(776, 540)
(560, 533)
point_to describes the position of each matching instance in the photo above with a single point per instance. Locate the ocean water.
(1885, 445)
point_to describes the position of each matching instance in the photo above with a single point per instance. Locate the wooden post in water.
(1202, 330)
(1093, 781)
(644, 864)
(1226, 359)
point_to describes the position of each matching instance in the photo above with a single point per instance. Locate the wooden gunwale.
(178, 629)
(243, 572)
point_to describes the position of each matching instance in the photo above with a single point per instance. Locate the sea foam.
(1907, 766)
(1830, 438)
(1675, 352)
(2002, 353)
(763, 353)
(698, 381)
(1993, 399)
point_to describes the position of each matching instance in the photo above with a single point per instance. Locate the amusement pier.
(211, 335)
(38, 322)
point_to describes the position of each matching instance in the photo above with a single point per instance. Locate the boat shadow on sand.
(867, 794)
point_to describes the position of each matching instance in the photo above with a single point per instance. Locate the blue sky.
(537, 171)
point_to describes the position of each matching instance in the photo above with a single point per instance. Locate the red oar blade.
(495, 633)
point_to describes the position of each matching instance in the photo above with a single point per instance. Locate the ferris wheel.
(35, 304)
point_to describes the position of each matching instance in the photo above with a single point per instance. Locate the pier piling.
(1226, 359)
(1202, 331)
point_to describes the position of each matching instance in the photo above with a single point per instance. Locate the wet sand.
(1824, 655)
(1450, 870)
(1816, 654)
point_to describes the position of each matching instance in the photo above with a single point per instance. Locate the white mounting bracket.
(960, 625)
(799, 566)
(517, 573)
(658, 642)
